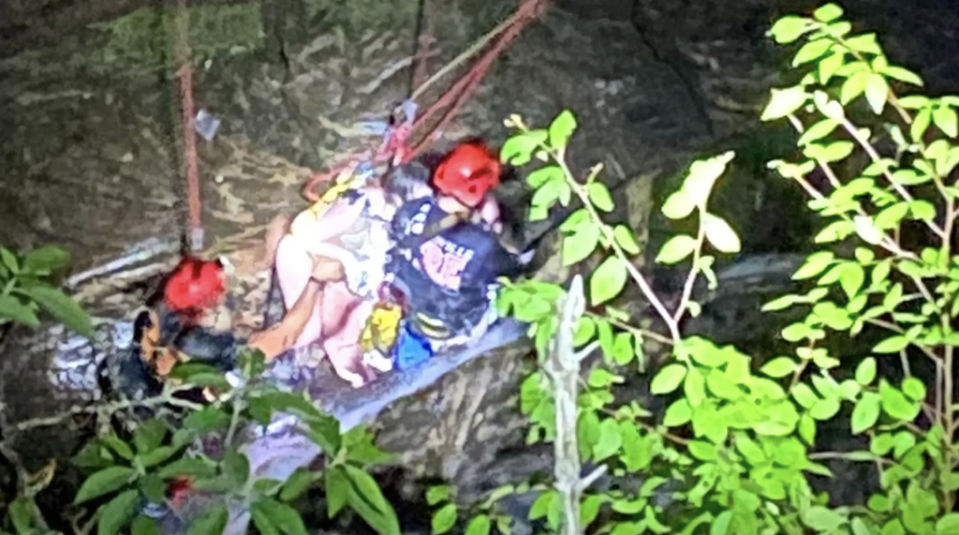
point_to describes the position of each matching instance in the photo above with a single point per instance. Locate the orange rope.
(454, 98)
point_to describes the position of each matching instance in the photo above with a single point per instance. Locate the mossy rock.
(146, 38)
(357, 17)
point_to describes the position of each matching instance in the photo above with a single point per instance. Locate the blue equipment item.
(411, 350)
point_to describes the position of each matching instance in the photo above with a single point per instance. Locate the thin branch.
(691, 277)
(827, 455)
(607, 232)
(875, 157)
(645, 333)
(166, 398)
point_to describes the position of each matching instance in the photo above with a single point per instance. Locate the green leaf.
(365, 488)
(914, 389)
(281, 515)
(859, 527)
(678, 205)
(297, 484)
(104, 482)
(836, 151)
(825, 409)
(444, 519)
(152, 487)
(804, 395)
(922, 210)
(827, 13)
(144, 525)
(561, 129)
(903, 75)
(115, 514)
(541, 176)
(518, 150)
(864, 43)
(704, 451)
(829, 65)
(337, 488)
(720, 525)
(892, 344)
(46, 259)
(786, 30)
(668, 379)
(822, 519)
(158, 456)
(610, 440)
(479, 526)
(866, 371)
(608, 280)
(853, 87)
(877, 91)
(895, 404)
(750, 450)
(694, 387)
(11, 308)
(208, 419)
(893, 527)
(817, 131)
(262, 522)
(677, 249)
(10, 260)
(62, 308)
(149, 435)
(852, 278)
(236, 467)
(784, 102)
(780, 367)
(811, 51)
(581, 244)
(625, 239)
(600, 196)
(835, 231)
(945, 119)
(679, 413)
(21, 514)
(815, 264)
(188, 466)
(720, 234)
(948, 524)
(212, 522)
(920, 124)
(437, 494)
(807, 429)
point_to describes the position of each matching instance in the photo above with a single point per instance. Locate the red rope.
(189, 147)
(454, 98)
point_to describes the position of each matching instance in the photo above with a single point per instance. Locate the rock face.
(92, 156)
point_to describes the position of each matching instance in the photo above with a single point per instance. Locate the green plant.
(129, 470)
(27, 289)
(731, 453)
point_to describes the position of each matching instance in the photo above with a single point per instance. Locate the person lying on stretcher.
(353, 229)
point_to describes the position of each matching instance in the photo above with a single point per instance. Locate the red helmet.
(467, 173)
(195, 285)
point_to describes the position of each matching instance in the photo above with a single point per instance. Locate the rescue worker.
(176, 326)
(448, 256)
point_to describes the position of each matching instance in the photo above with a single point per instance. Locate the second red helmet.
(468, 173)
